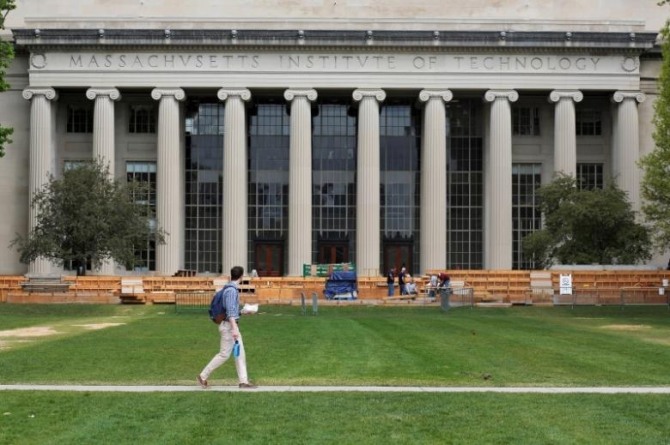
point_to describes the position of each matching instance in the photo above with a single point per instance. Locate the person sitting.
(401, 282)
(432, 286)
(410, 286)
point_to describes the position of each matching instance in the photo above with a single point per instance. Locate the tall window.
(145, 174)
(268, 187)
(334, 183)
(525, 121)
(590, 176)
(142, 119)
(79, 119)
(400, 142)
(588, 122)
(72, 164)
(526, 218)
(204, 187)
(465, 185)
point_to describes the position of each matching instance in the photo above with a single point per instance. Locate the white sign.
(565, 284)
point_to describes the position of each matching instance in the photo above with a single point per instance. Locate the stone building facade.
(275, 135)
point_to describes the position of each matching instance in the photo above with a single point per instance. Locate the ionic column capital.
(48, 93)
(426, 95)
(557, 95)
(493, 95)
(620, 96)
(243, 93)
(292, 93)
(159, 93)
(112, 93)
(361, 93)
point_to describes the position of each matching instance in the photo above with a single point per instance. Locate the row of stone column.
(497, 164)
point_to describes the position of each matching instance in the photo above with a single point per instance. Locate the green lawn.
(358, 345)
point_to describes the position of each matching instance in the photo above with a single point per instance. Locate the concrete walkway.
(388, 389)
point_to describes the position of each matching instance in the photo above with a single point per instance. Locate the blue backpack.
(217, 309)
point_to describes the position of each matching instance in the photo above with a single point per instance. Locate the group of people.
(407, 286)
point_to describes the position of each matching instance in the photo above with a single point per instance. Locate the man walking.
(229, 329)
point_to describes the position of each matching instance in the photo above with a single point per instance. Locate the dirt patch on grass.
(35, 331)
(97, 326)
(627, 327)
(660, 341)
(13, 337)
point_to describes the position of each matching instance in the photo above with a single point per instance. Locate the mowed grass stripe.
(354, 346)
(285, 418)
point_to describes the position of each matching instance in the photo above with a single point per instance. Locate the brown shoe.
(203, 383)
(247, 386)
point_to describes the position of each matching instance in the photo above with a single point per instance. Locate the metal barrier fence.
(192, 301)
(315, 303)
(645, 295)
(456, 297)
(624, 296)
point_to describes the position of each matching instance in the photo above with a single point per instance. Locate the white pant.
(227, 343)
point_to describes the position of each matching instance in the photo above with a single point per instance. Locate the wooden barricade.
(499, 286)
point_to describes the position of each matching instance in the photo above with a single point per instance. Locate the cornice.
(311, 40)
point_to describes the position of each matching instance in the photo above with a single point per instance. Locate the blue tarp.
(341, 285)
(343, 276)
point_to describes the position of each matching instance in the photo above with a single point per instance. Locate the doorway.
(333, 252)
(397, 254)
(269, 258)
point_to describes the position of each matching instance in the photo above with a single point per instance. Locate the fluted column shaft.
(500, 171)
(169, 200)
(41, 157)
(433, 242)
(103, 139)
(103, 124)
(627, 144)
(234, 179)
(300, 180)
(565, 134)
(368, 204)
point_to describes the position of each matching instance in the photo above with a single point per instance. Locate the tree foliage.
(87, 216)
(655, 186)
(6, 56)
(586, 227)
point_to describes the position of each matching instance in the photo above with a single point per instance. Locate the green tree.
(586, 227)
(6, 56)
(87, 216)
(655, 186)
